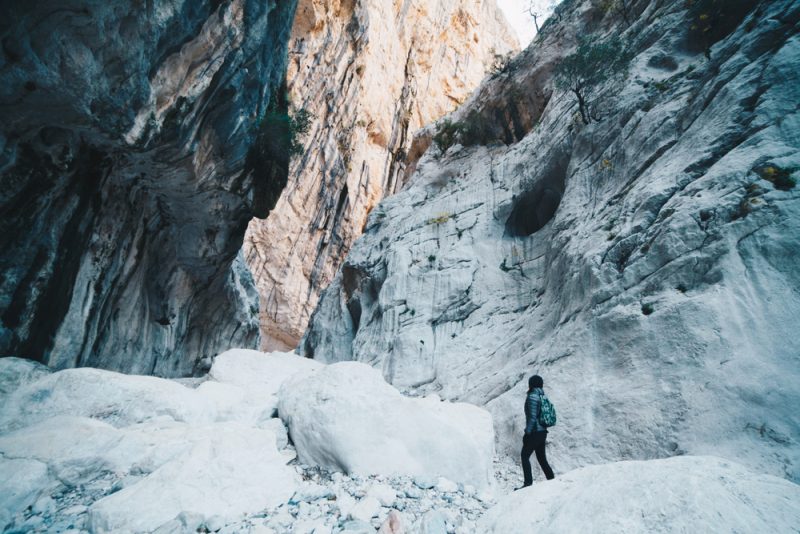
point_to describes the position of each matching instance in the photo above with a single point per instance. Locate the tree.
(534, 12)
(621, 7)
(585, 71)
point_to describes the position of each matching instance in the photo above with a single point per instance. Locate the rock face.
(125, 131)
(371, 72)
(643, 264)
(651, 496)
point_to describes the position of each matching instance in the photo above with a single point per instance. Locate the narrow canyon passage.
(327, 267)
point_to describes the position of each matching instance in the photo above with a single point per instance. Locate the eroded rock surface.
(371, 72)
(125, 129)
(644, 265)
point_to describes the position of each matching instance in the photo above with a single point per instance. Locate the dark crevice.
(533, 209)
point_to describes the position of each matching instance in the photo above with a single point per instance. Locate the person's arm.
(530, 410)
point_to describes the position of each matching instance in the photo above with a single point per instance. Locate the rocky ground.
(89, 450)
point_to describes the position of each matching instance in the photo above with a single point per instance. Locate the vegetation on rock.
(584, 72)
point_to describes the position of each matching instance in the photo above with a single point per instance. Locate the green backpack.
(547, 412)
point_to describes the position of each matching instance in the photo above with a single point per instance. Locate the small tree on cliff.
(584, 72)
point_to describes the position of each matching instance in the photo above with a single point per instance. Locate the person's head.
(535, 382)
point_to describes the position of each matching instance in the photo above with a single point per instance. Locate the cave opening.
(533, 209)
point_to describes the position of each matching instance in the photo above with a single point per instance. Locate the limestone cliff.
(124, 132)
(644, 264)
(371, 72)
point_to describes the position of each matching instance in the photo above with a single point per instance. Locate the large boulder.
(116, 453)
(118, 399)
(681, 494)
(243, 384)
(346, 417)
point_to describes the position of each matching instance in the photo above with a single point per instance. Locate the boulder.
(680, 494)
(345, 417)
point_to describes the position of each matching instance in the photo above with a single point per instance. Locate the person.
(535, 433)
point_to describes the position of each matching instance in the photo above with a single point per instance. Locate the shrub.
(712, 20)
(473, 130)
(277, 140)
(440, 219)
(619, 7)
(780, 178)
(583, 72)
(446, 135)
(500, 63)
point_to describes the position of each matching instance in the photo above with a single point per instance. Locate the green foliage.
(446, 135)
(780, 178)
(278, 139)
(473, 130)
(622, 8)
(501, 63)
(592, 64)
(712, 20)
(661, 86)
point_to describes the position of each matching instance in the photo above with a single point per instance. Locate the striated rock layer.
(643, 264)
(371, 72)
(123, 138)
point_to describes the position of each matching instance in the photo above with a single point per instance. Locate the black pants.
(535, 442)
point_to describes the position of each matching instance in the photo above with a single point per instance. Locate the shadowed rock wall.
(123, 202)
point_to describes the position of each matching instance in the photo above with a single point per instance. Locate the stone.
(371, 73)
(346, 417)
(648, 496)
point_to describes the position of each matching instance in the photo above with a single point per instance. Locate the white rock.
(118, 399)
(310, 492)
(16, 372)
(235, 470)
(444, 485)
(357, 526)
(432, 522)
(23, 481)
(681, 494)
(276, 426)
(345, 416)
(383, 492)
(425, 482)
(366, 509)
(344, 503)
(265, 371)
(243, 383)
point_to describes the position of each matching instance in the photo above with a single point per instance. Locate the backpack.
(547, 412)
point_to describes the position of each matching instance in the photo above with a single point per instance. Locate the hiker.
(536, 429)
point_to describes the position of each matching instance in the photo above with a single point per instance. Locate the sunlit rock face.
(371, 72)
(124, 129)
(643, 264)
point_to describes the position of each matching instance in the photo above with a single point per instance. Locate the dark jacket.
(532, 423)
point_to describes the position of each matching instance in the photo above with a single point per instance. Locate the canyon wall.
(645, 264)
(371, 72)
(124, 137)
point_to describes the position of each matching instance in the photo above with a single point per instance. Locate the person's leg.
(527, 450)
(541, 456)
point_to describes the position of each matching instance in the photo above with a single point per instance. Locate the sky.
(516, 11)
